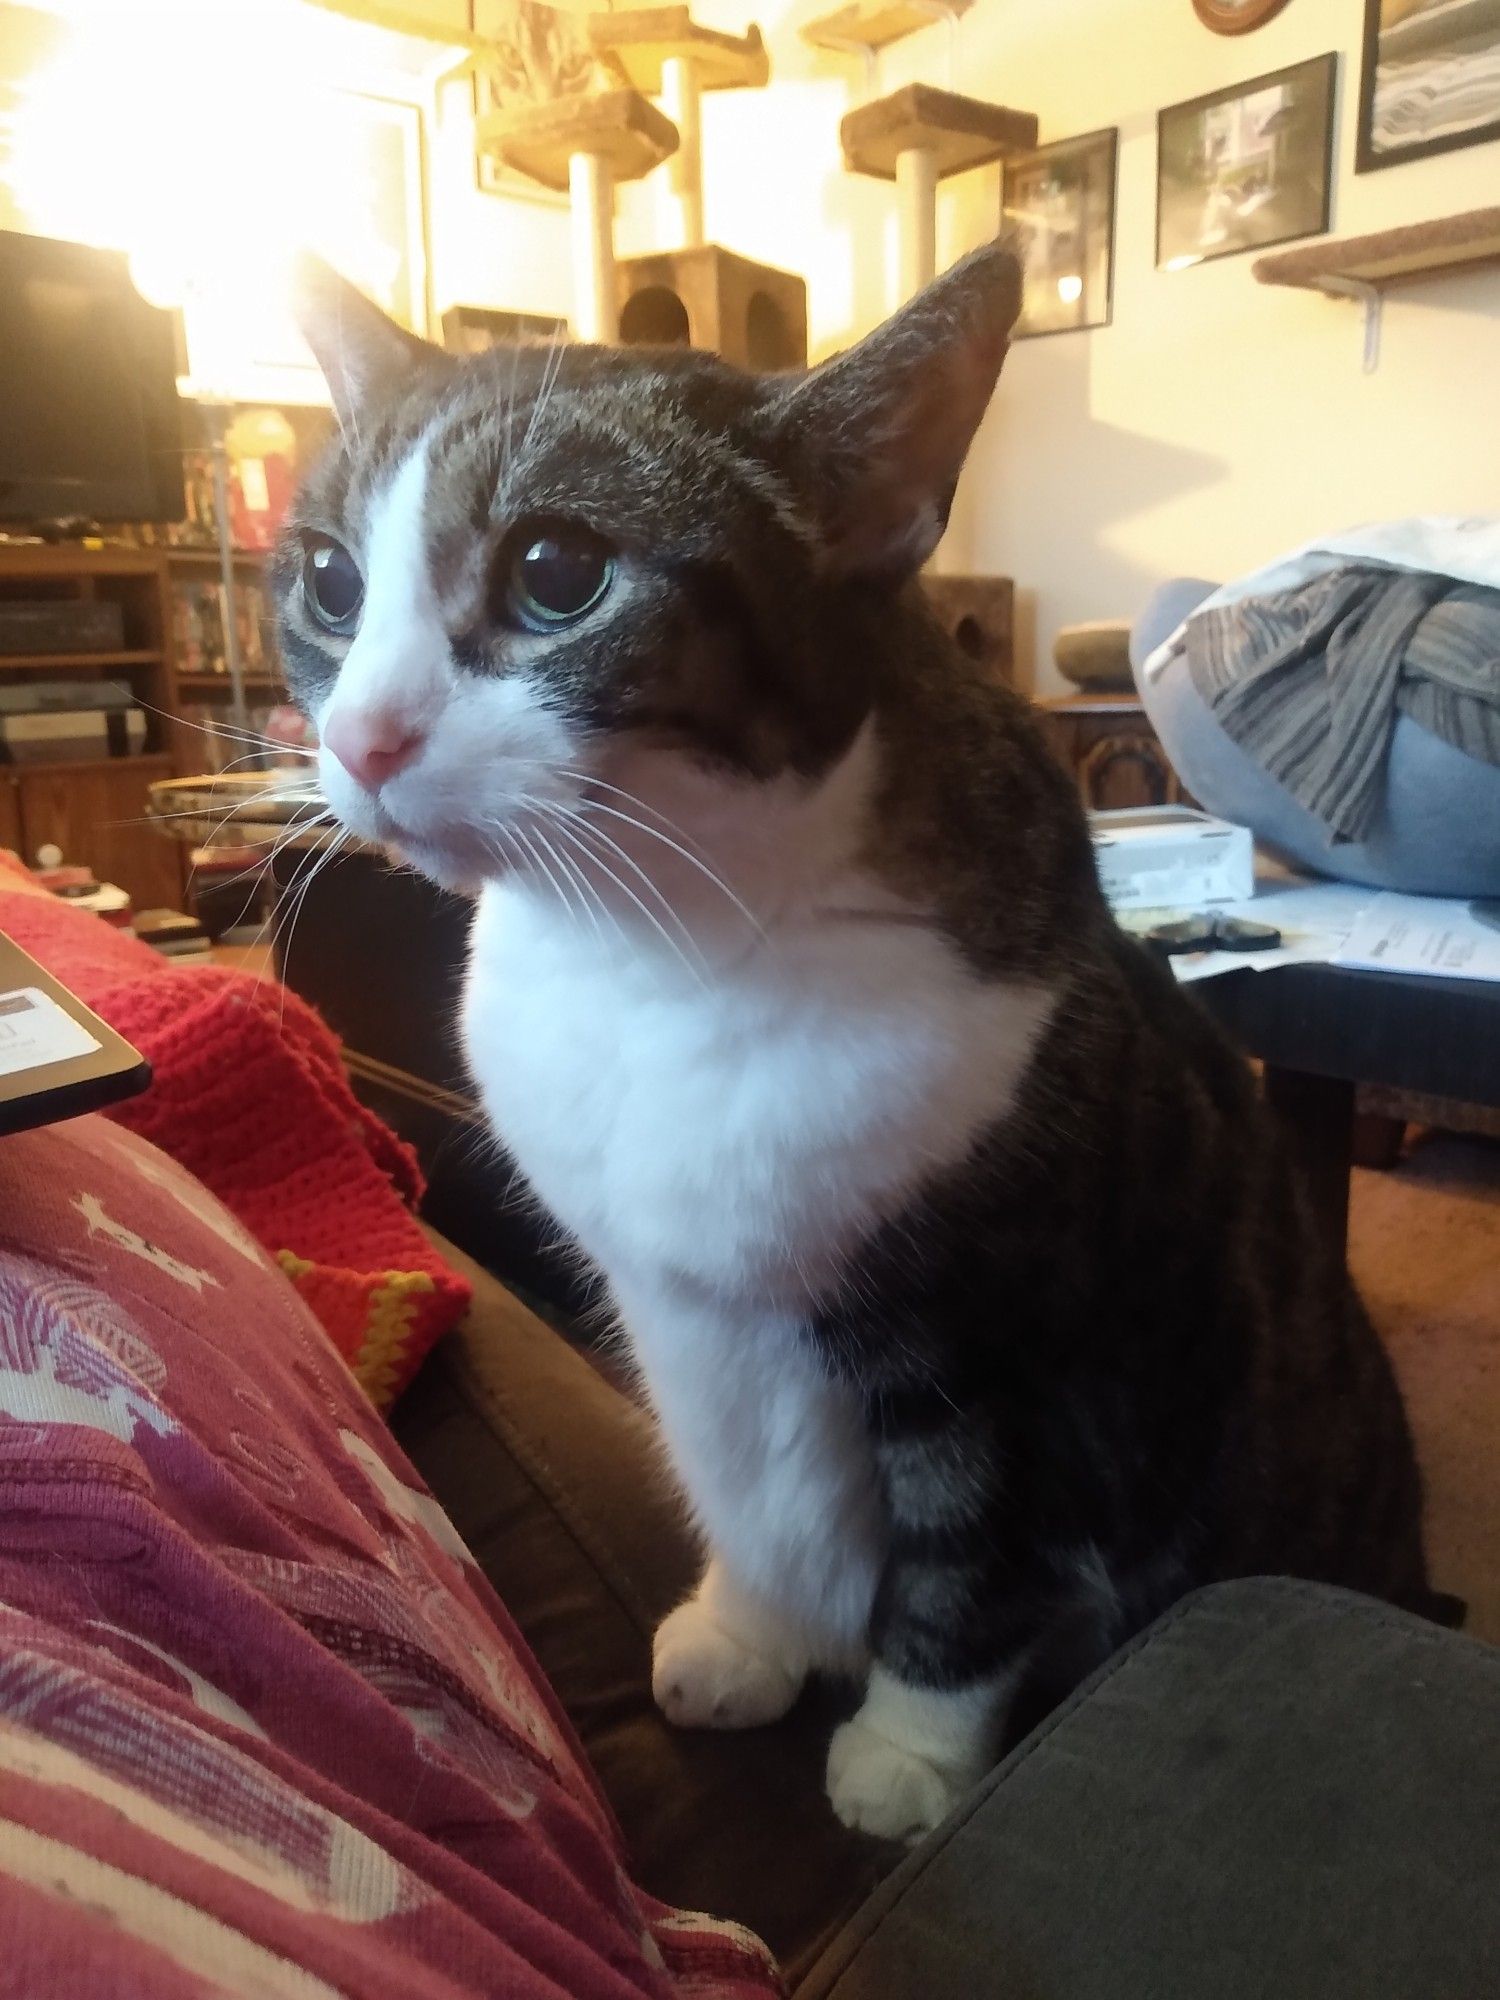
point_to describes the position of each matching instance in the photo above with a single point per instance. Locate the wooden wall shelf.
(210, 683)
(1364, 268)
(73, 663)
(209, 558)
(156, 762)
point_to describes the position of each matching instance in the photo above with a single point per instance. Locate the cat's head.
(524, 572)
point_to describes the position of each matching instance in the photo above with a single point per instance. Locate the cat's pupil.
(560, 574)
(332, 584)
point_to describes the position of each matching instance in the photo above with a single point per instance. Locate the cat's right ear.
(878, 435)
(362, 353)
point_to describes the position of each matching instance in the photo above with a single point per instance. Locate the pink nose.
(372, 744)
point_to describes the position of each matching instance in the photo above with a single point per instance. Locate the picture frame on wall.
(1429, 81)
(1060, 201)
(1246, 167)
(377, 149)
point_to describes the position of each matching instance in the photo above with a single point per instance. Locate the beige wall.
(1217, 421)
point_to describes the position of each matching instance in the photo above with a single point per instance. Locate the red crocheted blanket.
(250, 1095)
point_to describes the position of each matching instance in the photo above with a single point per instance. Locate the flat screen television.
(90, 419)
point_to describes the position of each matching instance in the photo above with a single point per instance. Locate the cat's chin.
(449, 871)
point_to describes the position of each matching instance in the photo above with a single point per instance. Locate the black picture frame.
(1105, 141)
(1416, 31)
(1321, 73)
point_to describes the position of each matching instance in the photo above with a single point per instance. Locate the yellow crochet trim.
(378, 1360)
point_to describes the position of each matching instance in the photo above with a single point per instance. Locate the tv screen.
(90, 421)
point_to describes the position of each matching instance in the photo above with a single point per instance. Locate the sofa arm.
(1279, 1789)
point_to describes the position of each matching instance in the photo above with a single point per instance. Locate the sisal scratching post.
(665, 53)
(916, 199)
(917, 137)
(591, 201)
(581, 146)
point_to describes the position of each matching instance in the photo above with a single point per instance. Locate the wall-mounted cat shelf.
(917, 137)
(865, 27)
(1365, 268)
(583, 145)
(665, 53)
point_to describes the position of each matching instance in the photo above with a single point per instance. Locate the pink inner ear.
(363, 354)
(893, 418)
(895, 509)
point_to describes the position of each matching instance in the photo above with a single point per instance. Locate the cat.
(980, 1313)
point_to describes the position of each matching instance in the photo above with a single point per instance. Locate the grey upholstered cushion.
(1280, 1792)
(1437, 830)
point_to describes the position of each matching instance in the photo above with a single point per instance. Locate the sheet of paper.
(1426, 934)
(35, 1031)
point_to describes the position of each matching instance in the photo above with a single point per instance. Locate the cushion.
(1280, 1789)
(1094, 656)
(263, 1725)
(1436, 831)
(249, 1093)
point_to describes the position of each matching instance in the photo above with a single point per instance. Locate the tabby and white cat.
(979, 1313)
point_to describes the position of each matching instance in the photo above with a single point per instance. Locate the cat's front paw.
(705, 1678)
(877, 1787)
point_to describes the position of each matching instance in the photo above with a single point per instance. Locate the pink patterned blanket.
(264, 1729)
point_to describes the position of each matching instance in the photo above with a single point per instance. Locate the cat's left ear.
(879, 434)
(363, 354)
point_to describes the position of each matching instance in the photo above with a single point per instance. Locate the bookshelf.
(94, 809)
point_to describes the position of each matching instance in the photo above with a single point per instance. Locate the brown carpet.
(1424, 1245)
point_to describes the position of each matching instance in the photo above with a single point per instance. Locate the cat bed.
(1435, 824)
(1095, 656)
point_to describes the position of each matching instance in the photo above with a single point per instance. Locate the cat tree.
(582, 146)
(694, 293)
(917, 137)
(663, 52)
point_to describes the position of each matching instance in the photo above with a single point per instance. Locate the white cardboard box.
(1171, 858)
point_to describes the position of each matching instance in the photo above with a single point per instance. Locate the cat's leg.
(953, 1621)
(726, 1659)
(902, 1763)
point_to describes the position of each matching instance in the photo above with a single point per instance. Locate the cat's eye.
(332, 586)
(554, 572)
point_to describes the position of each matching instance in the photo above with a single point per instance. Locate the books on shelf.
(199, 624)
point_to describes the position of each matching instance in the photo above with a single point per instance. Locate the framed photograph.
(382, 242)
(1246, 167)
(534, 53)
(1430, 81)
(370, 222)
(1060, 200)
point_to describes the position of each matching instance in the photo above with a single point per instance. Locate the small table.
(1106, 741)
(1322, 1029)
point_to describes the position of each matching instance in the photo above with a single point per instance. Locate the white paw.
(877, 1787)
(704, 1678)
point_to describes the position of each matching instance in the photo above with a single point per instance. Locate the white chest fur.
(719, 1145)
